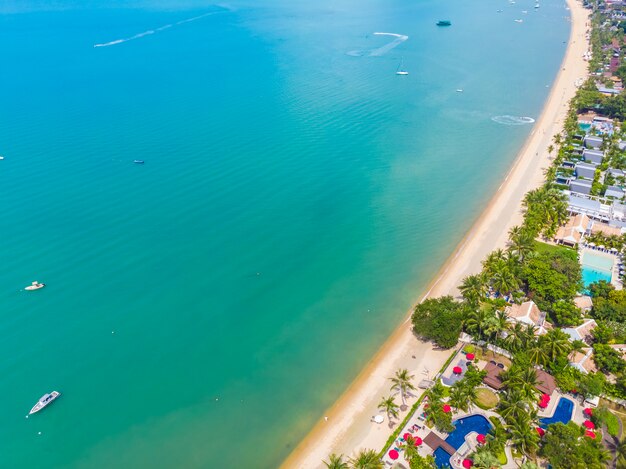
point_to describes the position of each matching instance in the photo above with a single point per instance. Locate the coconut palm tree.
(513, 406)
(402, 383)
(410, 450)
(503, 278)
(521, 243)
(515, 339)
(366, 459)
(537, 354)
(556, 344)
(336, 462)
(528, 384)
(523, 436)
(473, 288)
(459, 397)
(388, 404)
(485, 459)
(496, 439)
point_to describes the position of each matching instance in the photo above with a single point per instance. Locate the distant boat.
(139, 161)
(536, 6)
(44, 401)
(460, 90)
(499, 11)
(400, 70)
(444, 23)
(519, 21)
(1, 157)
(525, 11)
(35, 286)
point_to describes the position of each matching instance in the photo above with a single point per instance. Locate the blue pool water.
(563, 413)
(584, 127)
(595, 267)
(473, 423)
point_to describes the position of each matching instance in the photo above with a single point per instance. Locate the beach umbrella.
(379, 419)
(613, 249)
(545, 397)
(601, 247)
(457, 370)
(543, 404)
(446, 408)
(481, 438)
(467, 463)
(592, 244)
(393, 454)
(588, 412)
(418, 441)
(407, 435)
(540, 431)
(470, 356)
(589, 424)
(590, 434)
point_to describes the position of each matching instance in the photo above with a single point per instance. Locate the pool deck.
(435, 442)
(615, 278)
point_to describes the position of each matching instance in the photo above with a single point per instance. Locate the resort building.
(582, 332)
(585, 170)
(528, 313)
(591, 141)
(594, 156)
(615, 192)
(545, 382)
(492, 378)
(580, 186)
(584, 303)
(605, 229)
(567, 236)
(583, 361)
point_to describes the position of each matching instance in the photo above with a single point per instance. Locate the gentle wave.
(159, 29)
(399, 39)
(513, 120)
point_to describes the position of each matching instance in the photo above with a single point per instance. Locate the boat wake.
(399, 39)
(513, 120)
(162, 28)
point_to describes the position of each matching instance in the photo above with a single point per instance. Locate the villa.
(584, 303)
(528, 313)
(583, 361)
(582, 332)
(591, 141)
(580, 186)
(594, 156)
(605, 229)
(568, 236)
(585, 170)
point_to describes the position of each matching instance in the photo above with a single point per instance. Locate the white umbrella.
(613, 249)
(601, 247)
(592, 244)
(379, 418)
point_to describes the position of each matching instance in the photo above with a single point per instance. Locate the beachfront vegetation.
(366, 459)
(336, 461)
(401, 383)
(439, 320)
(389, 406)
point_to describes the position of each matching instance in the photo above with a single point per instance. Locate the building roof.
(579, 221)
(582, 332)
(614, 191)
(583, 302)
(527, 312)
(545, 382)
(569, 235)
(585, 205)
(583, 361)
(605, 229)
(492, 378)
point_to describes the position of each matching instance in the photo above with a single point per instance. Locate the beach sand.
(346, 427)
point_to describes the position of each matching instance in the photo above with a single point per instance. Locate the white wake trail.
(159, 29)
(399, 39)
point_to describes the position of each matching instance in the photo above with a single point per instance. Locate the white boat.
(35, 286)
(1, 157)
(44, 401)
(460, 90)
(400, 70)
(519, 21)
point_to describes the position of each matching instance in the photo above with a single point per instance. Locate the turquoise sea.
(203, 309)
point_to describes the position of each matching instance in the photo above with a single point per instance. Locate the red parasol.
(588, 412)
(590, 434)
(393, 454)
(470, 356)
(540, 431)
(467, 463)
(446, 408)
(481, 438)
(589, 424)
(457, 370)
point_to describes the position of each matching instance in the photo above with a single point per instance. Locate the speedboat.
(35, 286)
(138, 161)
(459, 90)
(444, 23)
(519, 21)
(44, 401)
(400, 70)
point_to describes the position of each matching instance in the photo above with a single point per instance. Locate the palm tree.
(410, 450)
(485, 459)
(523, 436)
(521, 243)
(458, 396)
(387, 404)
(537, 354)
(528, 384)
(512, 406)
(402, 383)
(336, 462)
(556, 344)
(497, 438)
(515, 338)
(503, 278)
(473, 288)
(366, 459)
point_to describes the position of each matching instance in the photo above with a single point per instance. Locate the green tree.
(566, 313)
(388, 404)
(565, 448)
(336, 462)
(521, 243)
(591, 384)
(485, 459)
(439, 320)
(608, 359)
(474, 289)
(421, 462)
(401, 383)
(366, 459)
(523, 437)
(556, 343)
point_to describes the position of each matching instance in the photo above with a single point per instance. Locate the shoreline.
(348, 427)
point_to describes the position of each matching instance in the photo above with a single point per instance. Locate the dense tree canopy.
(565, 447)
(439, 320)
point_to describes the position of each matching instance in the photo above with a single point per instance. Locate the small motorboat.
(138, 161)
(35, 286)
(444, 23)
(1, 157)
(44, 401)
(459, 90)
(519, 21)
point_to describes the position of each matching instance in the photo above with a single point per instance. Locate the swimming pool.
(562, 413)
(584, 126)
(595, 267)
(473, 423)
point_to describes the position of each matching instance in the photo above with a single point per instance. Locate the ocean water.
(203, 309)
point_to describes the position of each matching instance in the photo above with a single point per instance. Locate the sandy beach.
(347, 426)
